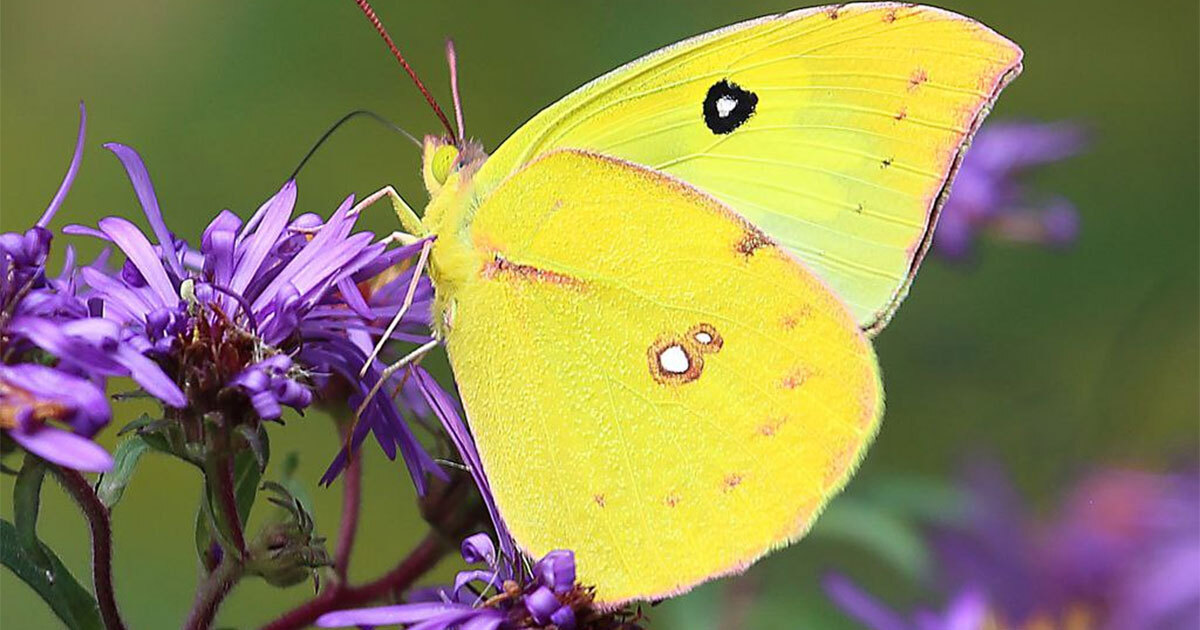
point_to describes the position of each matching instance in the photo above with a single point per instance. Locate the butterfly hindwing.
(834, 129)
(652, 382)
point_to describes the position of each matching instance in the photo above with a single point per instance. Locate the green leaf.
(125, 460)
(27, 501)
(923, 499)
(246, 475)
(878, 530)
(56, 586)
(256, 439)
(142, 421)
(204, 534)
(293, 484)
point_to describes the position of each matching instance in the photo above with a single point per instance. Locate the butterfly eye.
(444, 161)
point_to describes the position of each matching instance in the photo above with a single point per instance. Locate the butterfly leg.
(392, 369)
(408, 218)
(404, 306)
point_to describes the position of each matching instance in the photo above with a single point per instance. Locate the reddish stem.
(351, 499)
(211, 592)
(228, 502)
(338, 596)
(98, 522)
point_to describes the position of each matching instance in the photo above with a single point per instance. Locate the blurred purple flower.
(489, 599)
(989, 196)
(264, 314)
(967, 610)
(56, 354)
(1124, 552)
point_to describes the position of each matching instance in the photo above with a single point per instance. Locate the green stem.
(27, 500)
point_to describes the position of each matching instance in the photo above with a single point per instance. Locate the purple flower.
(1124, 552)
(32, 395)
(264, 314)
(988, 195)
(56, 353)
(348, 341)
(485, 599)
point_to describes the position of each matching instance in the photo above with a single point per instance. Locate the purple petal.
(219, 255)
(85, 405)
(391, 257)
(968, 611)
(862, 607)
(541, 604)
(1060, 223)
(556, 570)
(384, 615)
(151, 377)
(130, 304)
(340, 356)
(447, 412)
(54, 339)
(563, 618)
(142, 255)
(321, 252)
(145, 193)
(479, 548)
(487, 622)
(265, 405)
(65, 187)
(1011, 146)
(83, 230)
(452, 619)
(275, 213)
(463, 578)
(64, 448)
(353, 297)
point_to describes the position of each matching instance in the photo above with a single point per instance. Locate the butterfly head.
(447, 162)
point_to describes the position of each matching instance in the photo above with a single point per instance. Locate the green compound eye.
(443, 162)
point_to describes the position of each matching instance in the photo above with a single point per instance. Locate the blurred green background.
(1055, 362)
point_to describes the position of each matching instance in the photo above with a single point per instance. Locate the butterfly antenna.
(387, 39)
(452, 59)
(345, 119)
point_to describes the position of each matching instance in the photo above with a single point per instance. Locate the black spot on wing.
(727, 106)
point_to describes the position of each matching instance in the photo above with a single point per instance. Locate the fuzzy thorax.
(448, 168)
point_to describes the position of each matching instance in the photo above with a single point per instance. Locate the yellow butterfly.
(657, 294)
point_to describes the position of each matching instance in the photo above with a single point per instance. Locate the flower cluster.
(56, 351)
(1123, 553)
(494, 598)
(264, 314)
(989, 196)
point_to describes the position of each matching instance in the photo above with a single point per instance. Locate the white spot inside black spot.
(674, 360)
(704, 337)
(727, 106)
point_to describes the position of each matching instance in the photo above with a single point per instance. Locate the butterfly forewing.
(835, 130)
